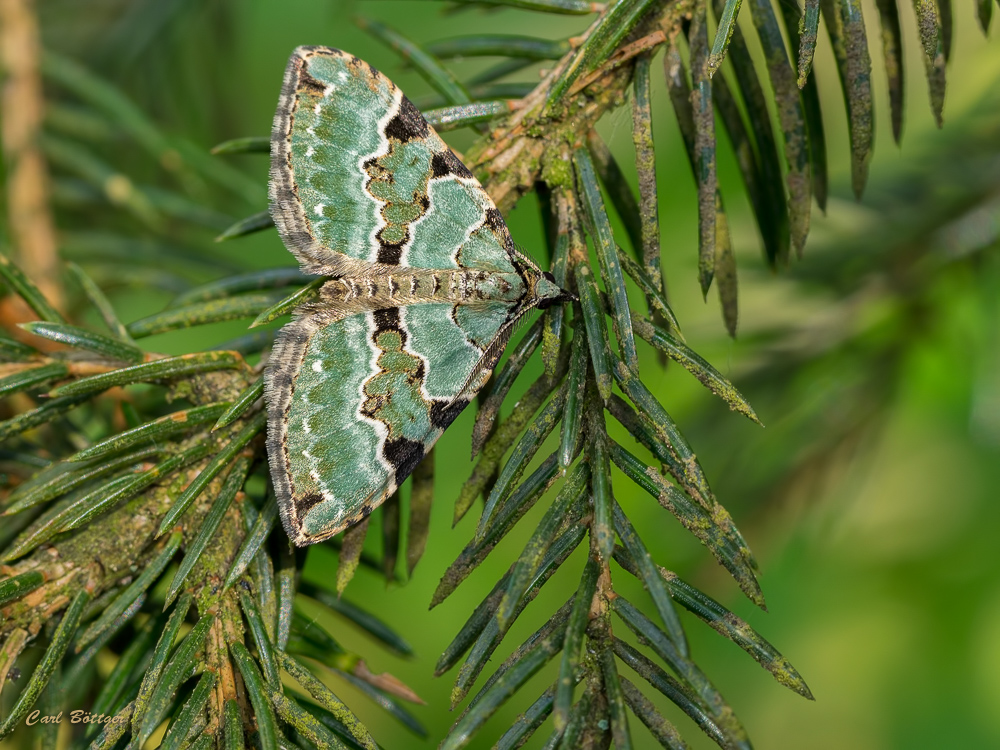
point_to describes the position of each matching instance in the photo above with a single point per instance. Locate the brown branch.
(32, 229)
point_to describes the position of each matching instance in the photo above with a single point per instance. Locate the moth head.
(548, 292)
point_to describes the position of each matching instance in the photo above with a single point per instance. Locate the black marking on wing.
(309, 84)
(390, 253)
(404, 455)
(443, 413)
(445, 163)
(387, 319)
(304, 504)
(408, 124)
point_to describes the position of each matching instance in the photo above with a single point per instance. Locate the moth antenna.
(522, 254)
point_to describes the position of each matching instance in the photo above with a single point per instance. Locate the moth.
(427, 286)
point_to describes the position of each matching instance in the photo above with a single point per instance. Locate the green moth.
(427, 287)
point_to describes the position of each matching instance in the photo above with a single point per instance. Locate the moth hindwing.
(427, 286)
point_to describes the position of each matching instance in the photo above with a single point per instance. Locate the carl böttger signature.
(75, 717)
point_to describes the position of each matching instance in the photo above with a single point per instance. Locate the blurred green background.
(870, 498)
